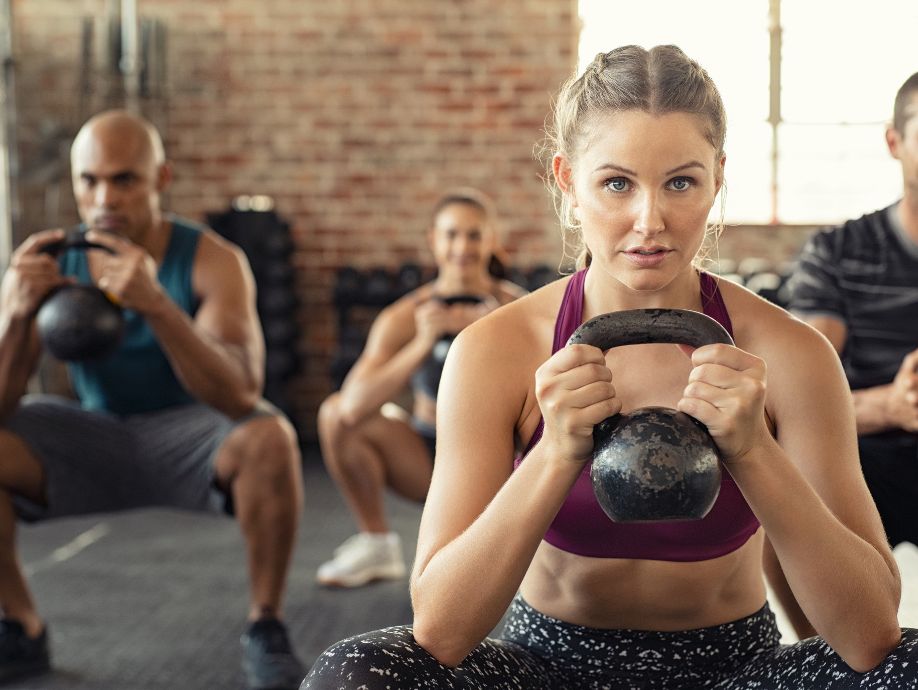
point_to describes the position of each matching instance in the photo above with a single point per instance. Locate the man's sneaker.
(363, 558)
(21, 655)
(268, 659)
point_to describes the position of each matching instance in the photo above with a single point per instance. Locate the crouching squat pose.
(369, 443)
(173, 417)
(511, 520)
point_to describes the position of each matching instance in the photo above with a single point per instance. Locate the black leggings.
(536, 652)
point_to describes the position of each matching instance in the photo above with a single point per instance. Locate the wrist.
(157, 306)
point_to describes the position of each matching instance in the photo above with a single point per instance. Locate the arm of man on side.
(31, 275)
(218, 355)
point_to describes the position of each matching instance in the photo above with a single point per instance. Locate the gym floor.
(155, 599)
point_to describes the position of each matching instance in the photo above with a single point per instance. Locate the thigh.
(86, 458)
(406, 458)
(391, 658)
(177, 450)
(812, 664)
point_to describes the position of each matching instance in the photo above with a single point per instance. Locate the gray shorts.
(99, 462)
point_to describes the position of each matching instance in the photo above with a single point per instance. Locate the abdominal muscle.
(618, 593)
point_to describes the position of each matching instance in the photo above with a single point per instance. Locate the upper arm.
(832, 327)
(478, 407)
(391, 330)
(811, 404)
(227, 311)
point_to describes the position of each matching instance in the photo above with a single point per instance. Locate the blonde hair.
(657, 81)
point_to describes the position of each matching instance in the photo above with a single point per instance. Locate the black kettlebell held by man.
(79, 322)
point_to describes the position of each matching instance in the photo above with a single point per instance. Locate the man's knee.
(267, 445)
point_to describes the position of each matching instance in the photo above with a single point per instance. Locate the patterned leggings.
(536, 652)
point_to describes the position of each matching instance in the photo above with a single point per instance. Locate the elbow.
(439, 637)
(440, 643)
(349, 416)
(238, 406)
(875, 649)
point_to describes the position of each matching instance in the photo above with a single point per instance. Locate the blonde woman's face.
(642, 186)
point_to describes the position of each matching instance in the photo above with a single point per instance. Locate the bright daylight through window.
(807, 147)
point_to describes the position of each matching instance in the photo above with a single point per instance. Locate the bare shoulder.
(507, 291)
(219, 262)
(400, 313)
(519, 334)
(772, 333)
(215, 252)
(394, 325)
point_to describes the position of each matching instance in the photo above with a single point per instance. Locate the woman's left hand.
(726, 392)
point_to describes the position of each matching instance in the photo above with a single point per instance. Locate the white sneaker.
(363, 558)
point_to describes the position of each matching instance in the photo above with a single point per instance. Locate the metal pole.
(130, 54)
(8, 206)
(774, 90)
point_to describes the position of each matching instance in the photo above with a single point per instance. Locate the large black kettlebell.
(427, 378)
(653, 464)
(79, 322)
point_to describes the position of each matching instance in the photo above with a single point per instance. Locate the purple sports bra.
(582, 528)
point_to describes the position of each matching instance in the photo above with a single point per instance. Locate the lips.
(107, 222)
(647, 257)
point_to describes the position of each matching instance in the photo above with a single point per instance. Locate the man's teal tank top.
(138, 377)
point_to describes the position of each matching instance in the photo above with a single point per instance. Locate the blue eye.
(680, 184)
(617, 184)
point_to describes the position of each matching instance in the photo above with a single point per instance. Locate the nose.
(462, 244)
(105, 195)
(648, 218)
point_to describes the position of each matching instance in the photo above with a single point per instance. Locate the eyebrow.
(626, 171)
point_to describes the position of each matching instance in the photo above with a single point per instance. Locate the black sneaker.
(268, 659)
(20, 655)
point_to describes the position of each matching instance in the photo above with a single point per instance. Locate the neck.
(450, 284)
(604, 293)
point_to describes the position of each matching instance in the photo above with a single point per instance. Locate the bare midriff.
(620, 593)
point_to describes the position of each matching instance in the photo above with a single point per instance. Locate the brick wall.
(352, 114)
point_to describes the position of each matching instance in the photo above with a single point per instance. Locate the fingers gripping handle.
(74, 239)
(638, 326)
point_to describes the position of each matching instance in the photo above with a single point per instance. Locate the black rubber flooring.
(157, 599)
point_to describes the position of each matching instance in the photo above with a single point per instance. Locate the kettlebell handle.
(75, 238)
(640, 326)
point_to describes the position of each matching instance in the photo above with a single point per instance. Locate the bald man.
(174, 417)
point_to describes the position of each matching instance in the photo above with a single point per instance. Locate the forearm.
(365, 392)
(871, 410)
(824, 561)
(460, 594)
(17, 361)
(210, 371)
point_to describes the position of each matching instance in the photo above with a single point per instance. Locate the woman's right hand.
(575, 393)
(31, 275)
(431, 321)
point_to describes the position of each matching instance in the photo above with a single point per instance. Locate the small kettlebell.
(79, 322)
(653, 464)
(428, 376)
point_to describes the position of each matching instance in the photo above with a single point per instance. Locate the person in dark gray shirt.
(857, 283)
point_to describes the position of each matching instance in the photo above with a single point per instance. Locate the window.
(810, 150)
